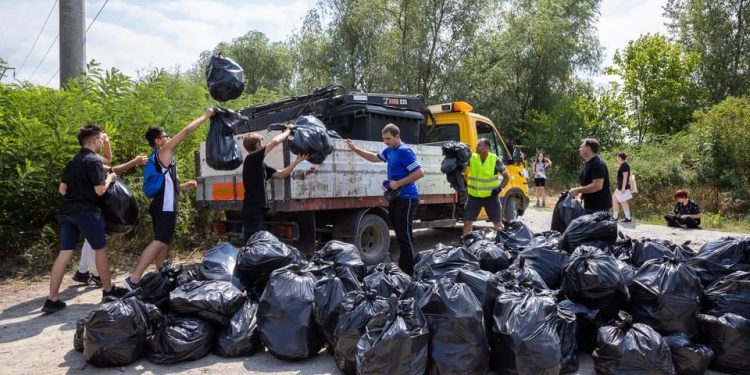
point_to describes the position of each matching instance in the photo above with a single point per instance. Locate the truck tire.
(509, 210)
(373, 239)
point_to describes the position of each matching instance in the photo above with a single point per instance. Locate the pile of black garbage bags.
(456, 159)
(512, 301)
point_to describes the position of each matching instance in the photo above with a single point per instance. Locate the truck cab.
(456, 121)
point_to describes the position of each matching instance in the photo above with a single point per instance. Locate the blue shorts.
(88, 223)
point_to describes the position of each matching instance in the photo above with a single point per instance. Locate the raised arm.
(367, 155)
(139, 160)
(167, 150)
(106, 150)
(277, 140)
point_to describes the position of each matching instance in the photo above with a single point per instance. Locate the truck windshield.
(443, 132)
(485, 130)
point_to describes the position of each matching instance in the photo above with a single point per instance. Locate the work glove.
(496, 191)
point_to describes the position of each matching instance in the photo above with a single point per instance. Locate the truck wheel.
(373, 239)
(509, 211)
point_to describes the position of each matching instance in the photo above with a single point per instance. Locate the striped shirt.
(401, 162)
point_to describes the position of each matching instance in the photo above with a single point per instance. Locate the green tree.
(718, 30)
(660, 84)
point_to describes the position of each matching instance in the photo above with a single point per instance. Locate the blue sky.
(136, 35)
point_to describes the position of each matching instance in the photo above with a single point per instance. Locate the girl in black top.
(622, 193)
(686, 213)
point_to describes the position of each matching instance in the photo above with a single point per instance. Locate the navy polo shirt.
(401, 162)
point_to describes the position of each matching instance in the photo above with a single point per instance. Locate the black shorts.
(539, 182)
(164, 224)
(474, 205)
(88, 223)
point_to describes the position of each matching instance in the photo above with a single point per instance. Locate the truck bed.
(344, 180)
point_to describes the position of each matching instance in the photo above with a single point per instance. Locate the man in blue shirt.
(403, 171)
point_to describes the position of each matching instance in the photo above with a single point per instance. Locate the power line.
(37, 36)
(44, 57)
(87, 30)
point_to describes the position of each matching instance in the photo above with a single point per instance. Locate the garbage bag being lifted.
(458, 343)
(566, 210)
(310, 137)
(213, 300)
(178, 339)
(688, 359)
(355, 313)
(395, 341)
(730, 294)
(595, 227)
(717, 259)
(631, 348)
(729, 338)
(115, 333)
(225, 78)
(222, 150)
(240, 338)
(120, 208)
(665, 294)
(285, 316)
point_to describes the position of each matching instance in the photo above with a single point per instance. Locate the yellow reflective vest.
(482, 176)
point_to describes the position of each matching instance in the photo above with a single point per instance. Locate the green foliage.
(660, 85)
(718, 31)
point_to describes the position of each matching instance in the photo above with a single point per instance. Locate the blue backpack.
(153, 179)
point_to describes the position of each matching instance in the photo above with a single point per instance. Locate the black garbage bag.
(547, 238)
(624, 347)
(387, 279)
(222, 150)
(459, 151)
(566, 210)
(666, 294)
(344, 254)
(115, 333)
(218, 264)
(717, 259)
(310, 137)
(524, 338)
(588, 322)
(729, 338)
(240, 338)
(120, 208)
(317, 267)
(448, 165)
(515, 235)
(593, 279)
(468, 239)
(330, 292)
(457, 182)
(212, 300)
(492, 257)
(188, 274)
(355, 312)
(263, 254)
(395, 341)
(225, 78)
(730, 294)
(458, 343)
(521, 277)
(567, 331)
(285, 316)
(628, 273)
(436, 262)
(179, 338)
(688, 358)
(645, 249)
(549, 262)
(595, 227)
(78, 336)
(420, 290)
(478, 281)
(156, 286)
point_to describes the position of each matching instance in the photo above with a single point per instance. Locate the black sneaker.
(82, 278)
(115, 293)
(52, 306)
(627, 221)
(129, 285)
(95, 281)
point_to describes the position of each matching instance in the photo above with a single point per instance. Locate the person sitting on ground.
(686, 213)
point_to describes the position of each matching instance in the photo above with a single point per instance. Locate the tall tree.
(718, 30)
(660, 84)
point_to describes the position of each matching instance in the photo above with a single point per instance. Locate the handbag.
(633, 185)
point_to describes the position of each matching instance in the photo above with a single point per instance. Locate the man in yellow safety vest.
(484, 186)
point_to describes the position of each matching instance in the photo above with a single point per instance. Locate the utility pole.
(72, 39)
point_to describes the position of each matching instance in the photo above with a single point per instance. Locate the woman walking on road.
(622, 193)
(540, 177)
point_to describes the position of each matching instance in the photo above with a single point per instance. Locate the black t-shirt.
(593, 169)
(254, 175)
(624, 167)
(81, 174)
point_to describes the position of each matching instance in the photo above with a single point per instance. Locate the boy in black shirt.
(82, 184)
(255, 173)
(594, 179)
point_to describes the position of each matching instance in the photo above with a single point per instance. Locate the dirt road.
(32, 343)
